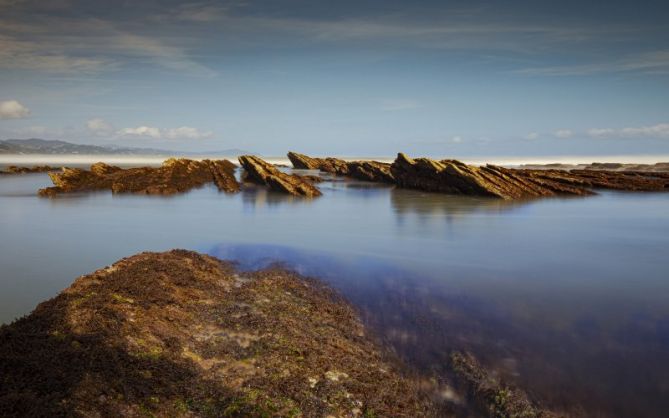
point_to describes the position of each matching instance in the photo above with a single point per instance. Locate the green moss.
(369, 413)
(121, 299)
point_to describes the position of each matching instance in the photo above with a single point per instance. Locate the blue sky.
(457, 78)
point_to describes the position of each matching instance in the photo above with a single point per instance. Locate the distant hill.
(43, 146)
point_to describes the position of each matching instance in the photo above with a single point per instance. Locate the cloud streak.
(180, 133)
(659, 131)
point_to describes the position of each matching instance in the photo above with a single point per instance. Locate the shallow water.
(567, 297)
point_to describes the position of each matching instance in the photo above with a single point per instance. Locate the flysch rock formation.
(455, 177)
(259, 171)
(180, 334)
(173, 176)
(362, 170)
(12, 169)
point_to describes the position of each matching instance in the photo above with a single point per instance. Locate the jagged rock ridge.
(262, 172)
(361, 170)
(12, 169)
(174, 176)
(455, 177)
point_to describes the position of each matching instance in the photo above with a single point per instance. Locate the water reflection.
(258, 197)
(407, 203)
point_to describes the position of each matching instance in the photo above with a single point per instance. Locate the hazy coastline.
(75, 159)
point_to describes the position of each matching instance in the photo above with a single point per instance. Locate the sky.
(351, 77)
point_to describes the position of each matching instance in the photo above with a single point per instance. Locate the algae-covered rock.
(174, 176)
(498, 399)
(182, 334)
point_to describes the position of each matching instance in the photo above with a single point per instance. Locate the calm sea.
(568, 298)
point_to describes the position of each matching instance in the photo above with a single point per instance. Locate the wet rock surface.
(186, 335)
(261, 172)
(362, 170)
(12, 169)
(174, 176)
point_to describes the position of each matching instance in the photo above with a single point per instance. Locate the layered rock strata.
(261, 172)
(455, 177)
(174, 176)
(362, 170)
(12, 169)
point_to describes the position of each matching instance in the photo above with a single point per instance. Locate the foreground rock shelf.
(174, 176)
(183, 334)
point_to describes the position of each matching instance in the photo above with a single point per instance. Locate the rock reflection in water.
(425, 205)
(582, 368)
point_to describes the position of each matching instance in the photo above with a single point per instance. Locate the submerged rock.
(498, 399)
(262, 172)
(12, 169)
(174, 176)
(455, 177)
(181, 334)
(362, 170)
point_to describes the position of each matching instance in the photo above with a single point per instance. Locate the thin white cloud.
(32, 55)
(13, 109)
(201, 12)
(54, 44)
(659, 131)
(142, 131)
(99, 126)
(186, 132)
(650, 62)
(532, 136)
(456, 139)
(563, 133)
(183, 132)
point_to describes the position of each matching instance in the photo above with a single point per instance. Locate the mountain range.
(51, 147)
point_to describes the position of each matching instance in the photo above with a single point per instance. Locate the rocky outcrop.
(657, 167)
(455, 177)
(328, 165)
(12, 169)
(640, 181)
(179, 334)
(362, 170)
(261, 172)
(174, 176)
